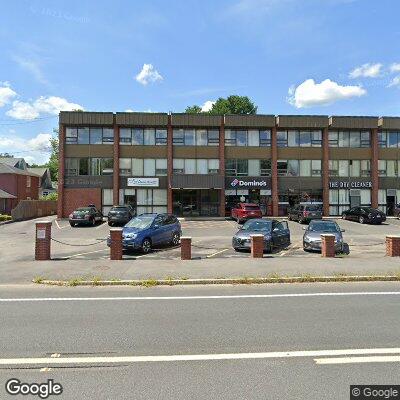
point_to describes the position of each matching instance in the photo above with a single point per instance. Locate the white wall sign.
(143, 182)
(41, 234)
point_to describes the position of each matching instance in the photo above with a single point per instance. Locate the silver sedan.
(312, 235)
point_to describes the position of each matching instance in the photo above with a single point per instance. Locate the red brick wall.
(74, 198)
(8, 183)
(24, 192)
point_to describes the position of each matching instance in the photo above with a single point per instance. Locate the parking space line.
(60, 227)
(218, 252)
(89, 252)
(99, 226)
(296, 246)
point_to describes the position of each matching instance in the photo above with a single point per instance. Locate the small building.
(46, 185)
(15, 185)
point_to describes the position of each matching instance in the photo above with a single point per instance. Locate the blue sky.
(289, 56)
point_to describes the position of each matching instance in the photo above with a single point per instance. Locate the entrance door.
(130, 200)
(391, 204)
(355, 201)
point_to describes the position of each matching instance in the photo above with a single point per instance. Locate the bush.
(51, 196)
(4, 217)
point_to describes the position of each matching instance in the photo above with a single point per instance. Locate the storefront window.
(151, 200)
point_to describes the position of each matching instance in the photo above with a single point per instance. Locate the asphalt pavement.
(303, 341)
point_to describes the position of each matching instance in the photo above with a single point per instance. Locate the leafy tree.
(6, 155)
(52, 164)
(231, 105)
(193, 109)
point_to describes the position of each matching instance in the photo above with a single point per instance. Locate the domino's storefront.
(250, 190)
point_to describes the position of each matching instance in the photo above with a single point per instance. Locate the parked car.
(312, 235)
(276, 234)
(364, 215)
(148, 230)
(305, 213)
(244, 211)
(120, 215)
(85, 216)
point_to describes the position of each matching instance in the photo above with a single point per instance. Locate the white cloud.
(6, 93)
(148, 74)
(309, 93)
(33, 67)
(207, 105)
(395, 67)
(395, 81)
(366, 71)
(43, 105)
(34, 150)
(129, 110)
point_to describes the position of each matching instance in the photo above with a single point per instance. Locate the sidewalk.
(24, 272)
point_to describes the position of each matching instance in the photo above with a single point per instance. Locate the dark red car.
(244, 211)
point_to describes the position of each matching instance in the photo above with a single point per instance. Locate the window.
(365, 168)
(213, 138)
(137, 137)
(392, 139)
(305, 139)
(71, 136)
(293, 139)
(316, 138)
(125, 136)
(149, 138)
(241, 138)
(349, 139)
(333, 139)
(282, 139)
(28, 181)
(83, 135)
(305, 167)
(151, 200)
(333, 168)
(178, 166)
(293, 168)
(202, 166)
(382, 139)
(190, 166)
(125, 166)
(149, 167)
(230, 138)
(388, 168)
(254, 167)
(76, 166)
(189, 137)
(344, 168)
(282, 167)
(196, 137)
(365, 139)
(344, 139)
(316, 169)
(161, 137)
(83, 164)
(201, 137)
(265, 167)
(235, 137)
(95, 135)
(178, 137)
(213, 166)
(265, 138)
(101, 166)
(236, 167)
(161, 167)
(355, 168)
(137, 166)
(253, 138)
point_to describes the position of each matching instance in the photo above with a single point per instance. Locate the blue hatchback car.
(149, 230)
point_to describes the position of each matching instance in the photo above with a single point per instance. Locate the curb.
(219, 281)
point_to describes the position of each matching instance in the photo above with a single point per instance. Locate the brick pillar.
(274, 173)
(116, 244)
(328, 246)
(325, 171)
(186, 248)
(170, 160)
(393, 246)
(42, 240)
(222, 165)
(116, 165)
(374, 168)
(257, 246)
(61, 169)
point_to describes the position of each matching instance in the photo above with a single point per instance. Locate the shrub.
(4, 217)
(50, 196)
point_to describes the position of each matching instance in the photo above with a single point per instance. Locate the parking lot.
(210, 239)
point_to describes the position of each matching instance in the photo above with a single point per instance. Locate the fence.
(26, 209)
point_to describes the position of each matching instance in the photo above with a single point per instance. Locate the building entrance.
(195, 202)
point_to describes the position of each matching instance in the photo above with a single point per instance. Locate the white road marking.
(216, 297)
(89, 252)
(357, 360)
(193, 357)
(59, 226)
(99, 226)
(218, 252)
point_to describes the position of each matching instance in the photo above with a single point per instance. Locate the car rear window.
(313, 208)
(83, 210)
(251, 208)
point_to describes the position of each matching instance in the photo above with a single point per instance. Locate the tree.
(6, 155)
(52, 164)
(231, 105)
(193, 109)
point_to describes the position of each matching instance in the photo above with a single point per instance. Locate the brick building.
(200, 164)
(16, 184)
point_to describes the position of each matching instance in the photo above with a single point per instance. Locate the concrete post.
(116, 244)
(186, 248)
(42, 240)
(393, 246)
(328, 245)
(257, 246)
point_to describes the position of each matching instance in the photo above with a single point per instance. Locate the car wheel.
(175, 239)
(289, 217)
(268, 249)
(301, 221)
(72, 224)
(110, 223)
(146, 246)
(361, 220)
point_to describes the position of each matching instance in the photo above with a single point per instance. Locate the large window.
(143, 137)
(350, 168)
(195, 166)
(295, 138)
(88, 166)
(388, 168)
(93, 135)
(151, 201)
(143, 166)
(310, 168)
(389, 139)
(252, 138)
(195, 137)
(236, 167)
(349, 139)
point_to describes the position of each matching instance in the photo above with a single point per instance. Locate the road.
(228, 342)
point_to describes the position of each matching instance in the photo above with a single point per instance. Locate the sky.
(332, 57)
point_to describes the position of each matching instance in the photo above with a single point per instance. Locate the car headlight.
(307, 240)
(130, 236)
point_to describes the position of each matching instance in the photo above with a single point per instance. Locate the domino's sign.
(252, 183)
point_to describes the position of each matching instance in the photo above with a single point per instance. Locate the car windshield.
(83, 210)
(323, 227)
(246, 207)
(119, 209)
(368, 209)
(257, 226)
(140, 222)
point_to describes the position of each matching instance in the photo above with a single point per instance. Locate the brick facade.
(186, 248)
(74, 198)
(257, 246)
(393, 246)
(328, 246)
(116, 244)
(43, 244)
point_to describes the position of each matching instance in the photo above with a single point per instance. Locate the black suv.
(120, 215)
(305, 213)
